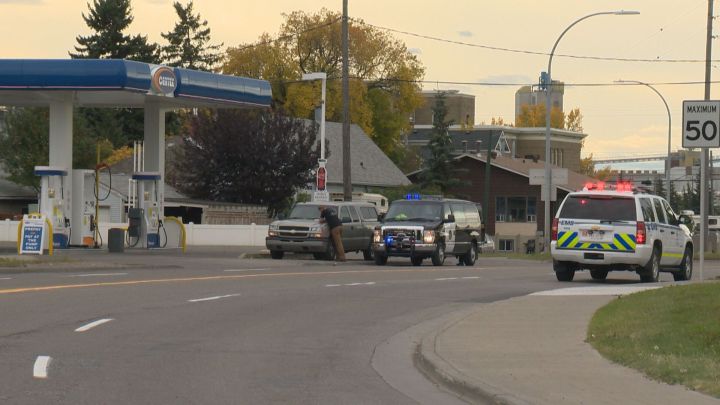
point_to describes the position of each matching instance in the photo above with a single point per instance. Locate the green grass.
(671, 334)
(7, 262)
(29, 261)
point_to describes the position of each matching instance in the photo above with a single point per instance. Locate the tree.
(659, 187)
(25, 144)
(384, 75)
(533, 116)
(438, 171)
(587, 167)
(109, 18)
(573, 120)
(188, 43)
(246, 156)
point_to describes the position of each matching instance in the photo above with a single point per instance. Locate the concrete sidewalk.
(532, 350)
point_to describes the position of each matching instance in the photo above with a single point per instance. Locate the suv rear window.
(600, 207)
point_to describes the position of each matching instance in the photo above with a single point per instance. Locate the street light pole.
(548, 108)
(667, 160)
(322, 76)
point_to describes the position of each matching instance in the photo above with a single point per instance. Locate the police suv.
(601, 230)
(422, 227)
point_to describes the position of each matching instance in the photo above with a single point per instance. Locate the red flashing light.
(640, 235)
(554, 229)
(600, 185)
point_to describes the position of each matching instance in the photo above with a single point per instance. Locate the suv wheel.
(686, 266)
(470, 257)
(438, 257)
(416, 261)
(563, 271)
(651, 271)
(380, 259)
(277, 254)
(598, 274)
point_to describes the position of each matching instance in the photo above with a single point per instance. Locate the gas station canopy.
(124, 83)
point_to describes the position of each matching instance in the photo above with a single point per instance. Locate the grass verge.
(31, 261)
(671, 334)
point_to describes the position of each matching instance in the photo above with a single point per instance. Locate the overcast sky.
(620, 120)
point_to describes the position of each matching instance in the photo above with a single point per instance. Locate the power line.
(526, 52)
(288, 36)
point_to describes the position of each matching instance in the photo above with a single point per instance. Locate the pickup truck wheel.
(438, 257)
(330, 253)
(277, 254)
(416, 261)
(470, 257)
(563, 271)
(651, 271)
(380, 259)
(686, 266)
(598, 274)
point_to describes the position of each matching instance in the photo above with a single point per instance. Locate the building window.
(506, 245)
(515, 209)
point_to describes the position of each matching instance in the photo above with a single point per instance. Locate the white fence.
(197, 235)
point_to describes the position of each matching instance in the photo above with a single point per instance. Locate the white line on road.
(97, 274)
(93, 324)
(471, 278)
(445, 279)
(238, 270)
(213, 298)
(41, 366)
(333, 285)
(6, 278)
(350, 284)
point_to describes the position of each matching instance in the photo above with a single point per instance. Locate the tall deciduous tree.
(383, 73)
(533, 116)
(25, 144)
(189, 42)
(109, 19)
(247, 156)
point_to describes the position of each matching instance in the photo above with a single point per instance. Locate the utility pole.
(704, 155)
(347, 178)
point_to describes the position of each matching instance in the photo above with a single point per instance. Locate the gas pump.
(83, 210)
(55, 204)
(145, 218)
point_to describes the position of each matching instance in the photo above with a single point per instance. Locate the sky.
(621, 121)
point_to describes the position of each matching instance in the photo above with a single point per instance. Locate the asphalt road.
(217, 329)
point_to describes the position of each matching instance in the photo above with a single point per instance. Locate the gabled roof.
(370, 166)
(576, 181)
(14, 191)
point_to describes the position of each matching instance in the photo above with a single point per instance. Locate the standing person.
(329, 216)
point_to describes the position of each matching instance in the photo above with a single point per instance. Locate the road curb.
(439, 371)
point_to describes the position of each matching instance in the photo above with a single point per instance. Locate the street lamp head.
(314, 76)
(626, 12)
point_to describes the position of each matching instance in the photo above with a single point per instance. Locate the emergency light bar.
(624, 186)
(418, 197)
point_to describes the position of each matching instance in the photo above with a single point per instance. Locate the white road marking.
(598, 290)
(97, 275)
(350, 284)
(471, 278)
(239, 270)
(213, 298)
(41, 366)
(93, 324)
(6, 278)
(445, 279)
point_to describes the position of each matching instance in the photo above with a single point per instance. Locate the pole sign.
(701, 124)
(32, 235)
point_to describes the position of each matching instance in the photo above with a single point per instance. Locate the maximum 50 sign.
(701, 124)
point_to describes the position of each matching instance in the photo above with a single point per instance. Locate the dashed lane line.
(93, 324)
(446, 278)
(350, 284)
(97, 275)
(213, 298)
(5, 278)
(41, 366)
(224, 277)
(242, 270)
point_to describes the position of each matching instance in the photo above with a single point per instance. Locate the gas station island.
(66, 200)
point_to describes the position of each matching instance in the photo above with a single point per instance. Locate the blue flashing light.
(413, 196)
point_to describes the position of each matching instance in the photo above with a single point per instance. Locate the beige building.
(532, 95)
(460, 108)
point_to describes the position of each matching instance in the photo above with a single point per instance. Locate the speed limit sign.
(701, 124)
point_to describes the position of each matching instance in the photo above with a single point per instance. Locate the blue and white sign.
(163, 81)
(33, 235)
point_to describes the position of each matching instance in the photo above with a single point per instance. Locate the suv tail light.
(554, 228)
(640, 235)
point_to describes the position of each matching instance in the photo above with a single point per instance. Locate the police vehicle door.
(674, 251)
(448, 229)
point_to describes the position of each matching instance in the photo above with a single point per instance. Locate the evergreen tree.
(438, 171)
(659, 188)
(108, 19)
(675, 201)
(188, 43)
